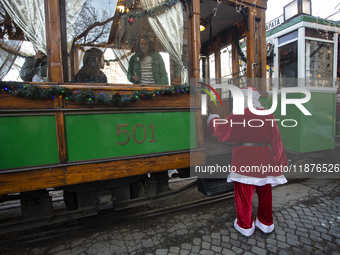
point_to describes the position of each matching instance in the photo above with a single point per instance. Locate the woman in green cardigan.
(146, 66)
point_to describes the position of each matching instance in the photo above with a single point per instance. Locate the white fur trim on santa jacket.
(211, 116)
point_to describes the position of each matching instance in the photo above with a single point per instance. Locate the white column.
(276, 62)
(301, 56)
(335, 59)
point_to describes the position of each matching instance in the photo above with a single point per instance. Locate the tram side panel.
(303, 133)
(101, 145)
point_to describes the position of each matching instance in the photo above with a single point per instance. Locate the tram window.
(226, 62)
(288, 59)
(226, 67)
(319, 63)
(212, 66)
(19, 44)
(117, 31)
(288, 37)
(319, 34)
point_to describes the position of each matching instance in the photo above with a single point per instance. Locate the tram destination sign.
(274, 23)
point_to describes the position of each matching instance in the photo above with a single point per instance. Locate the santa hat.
(256, 93)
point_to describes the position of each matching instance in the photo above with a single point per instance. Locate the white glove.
(211, 116)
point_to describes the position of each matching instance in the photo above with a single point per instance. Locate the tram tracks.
(75, 228)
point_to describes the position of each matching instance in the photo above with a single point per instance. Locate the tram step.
(213, 187)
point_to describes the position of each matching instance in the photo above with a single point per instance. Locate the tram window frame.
(319, 80)
(313, 33)
(288, 81)
(288, 37)
(174, 70)
(228, 48)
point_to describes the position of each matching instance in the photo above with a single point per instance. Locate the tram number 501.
(119, 132)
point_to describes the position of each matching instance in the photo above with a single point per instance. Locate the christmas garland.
(88, 96)
(134, 15)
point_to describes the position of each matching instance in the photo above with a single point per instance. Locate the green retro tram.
(109, 146)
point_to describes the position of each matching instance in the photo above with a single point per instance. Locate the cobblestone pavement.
(306, 218)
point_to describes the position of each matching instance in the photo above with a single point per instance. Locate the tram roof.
(330, 25)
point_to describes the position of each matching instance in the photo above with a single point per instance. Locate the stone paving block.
(289, 230)
(216, 242)
(334, 233)
(229, 224)
(313, 218)
(283, 252)
(248, 253)
(281, 238)
(294, 237)
(309, 214)
(281, 219)
(215, 236)
(327, 237)
(315, 223)
(235, 243)
(333, 246)
(282, 245)
(205, 245)
(309, 226)
(303, 216)
(195, 249)
(243, 239)
(186, 246)
(271, 248)
(216, 248)
(231, 229)
(206, 252)
(206, 238)
(284, 225)
(251, 241)
(261, 244)
(258, 250)
(271, 241)
(287, 216)
(226, 245)
(225, 238)
(293, 242)
(184, 252)
(197, 241)
(280, 232)
(170, 253)
(299, 224)
(162, 252)
(174, 250)
(237, 250)
(315, 238)
(313, 232)
(227, 252)
(234, 236)
(224, 232)
(245, 247)
(299, 233)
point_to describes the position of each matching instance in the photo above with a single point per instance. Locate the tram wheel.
(104, 218)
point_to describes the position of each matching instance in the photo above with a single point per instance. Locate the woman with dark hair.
(146, 66)
(90, 72)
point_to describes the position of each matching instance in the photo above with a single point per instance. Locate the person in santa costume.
(258, 160)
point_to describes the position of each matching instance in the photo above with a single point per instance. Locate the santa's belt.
(251, 144)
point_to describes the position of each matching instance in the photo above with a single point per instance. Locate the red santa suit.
(255, 165)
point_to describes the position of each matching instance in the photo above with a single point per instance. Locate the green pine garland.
(88, 96)
(153, 11)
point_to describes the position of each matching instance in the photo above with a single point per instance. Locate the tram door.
(232, 43)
